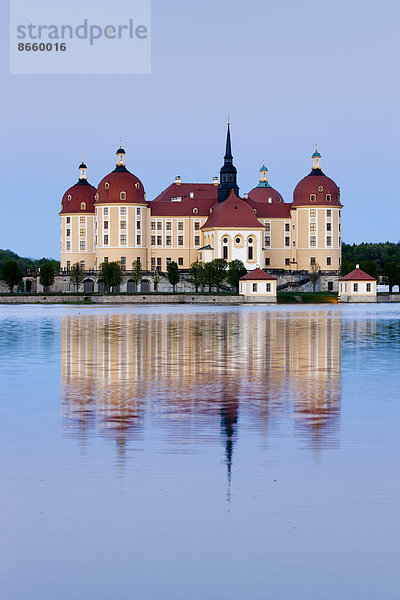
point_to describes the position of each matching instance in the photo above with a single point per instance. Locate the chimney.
(215, 181)
(178, 180)
(357, 266)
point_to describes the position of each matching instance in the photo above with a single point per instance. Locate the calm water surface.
(200, 453)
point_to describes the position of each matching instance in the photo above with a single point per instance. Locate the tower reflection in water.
(194, 377)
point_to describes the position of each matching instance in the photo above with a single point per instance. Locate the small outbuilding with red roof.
(258, 286)
(357, 286)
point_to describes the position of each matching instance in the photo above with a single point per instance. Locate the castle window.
(68, 219)
(195, 211)
(159, 240)
(107, 185)
(122, 195)
(313, 198)
(159, 225)
(180, 225)
(68, 232)
(313, 241)
(138, 225)
(168, 240)
(225, 252)
(355, 287)
(82, 220)
(168, 261)
(250, 240)
(168, 226)
(250, 253)
(279, 199)
(153, 226)
(68, 246)
(313, 261)
(328, 261)
(105, 211)
(329, 241)
(96, 197)
(287, 262)
(180, 262)
(180, 240)
(328, 198)
(287, 226)
(254, 287)
(329, 213)
(267, 262)
(82, 246)
(313, 212)
(138, 242)
(137, 211)
(82, 265)
(237, 240)
(106, 259)
(368, 287)
(68, 265)
(287, 241)
(69, 197)
(105, 240)
(313, 226)
(82, 232)
(197, 225)
(137, 186)
(268, 287)
(105, 224)
(153, 264)
(267, 240)
(123, 240)
(123, 210)
(329, 226)
(123, 225)
(83, 205)
(153, 240)
(225, 240)
(320, 189)
(267, 226)
(197, 240)
(123, 262)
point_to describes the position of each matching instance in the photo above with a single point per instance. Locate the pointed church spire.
(228, 173)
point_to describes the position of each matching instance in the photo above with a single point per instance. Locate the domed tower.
(121, 218)
(264, 192)
(317, 206)
(77, 218)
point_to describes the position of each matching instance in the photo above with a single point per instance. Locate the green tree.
(76, 275)
(208, 275)
(47, 275)
(196, 273)
(219, 268)
(236, 270)
(347, 267)
(137, 273)
(156, 281)
(111, 273)
(11, 274)
(370, 267)
(391, 275)
(173, 274)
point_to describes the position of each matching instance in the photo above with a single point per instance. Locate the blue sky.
(289, 74)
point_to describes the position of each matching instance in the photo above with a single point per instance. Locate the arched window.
(69, 197)
(328, 198)
(313, 198)
(122, 195)
(250, 249)
(83, 205)
(107, 185)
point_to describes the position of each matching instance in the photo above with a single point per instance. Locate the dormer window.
(122, 195)
(137, 186)
(320, 189)
(313, 198)
(69, 197)
(96, 197)
(269, 200)
(107, 185)
(328, 198)
(83, 205)
(195, 211)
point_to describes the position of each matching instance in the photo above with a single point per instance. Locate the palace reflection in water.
(195, 376)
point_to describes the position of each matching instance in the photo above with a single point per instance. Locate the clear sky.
(289, 73)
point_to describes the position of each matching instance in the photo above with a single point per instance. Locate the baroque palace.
(191, 222)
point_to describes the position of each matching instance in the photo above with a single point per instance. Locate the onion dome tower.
(122, 217)
(77, 223)
(264, 192)
(228, 172)
(316, 187)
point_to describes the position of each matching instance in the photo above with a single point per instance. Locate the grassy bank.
(307, 298)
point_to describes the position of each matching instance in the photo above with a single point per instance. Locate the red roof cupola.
(120, 185)
(316, 188)
(80, 197)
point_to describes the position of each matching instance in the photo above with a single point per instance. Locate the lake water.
(193, 453)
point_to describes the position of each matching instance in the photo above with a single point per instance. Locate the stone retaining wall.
(119, 299)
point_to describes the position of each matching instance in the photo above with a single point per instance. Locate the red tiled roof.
(263, 194)
(183, 190)
(79, 193)
(120, 181)
(233, 212)
(257, 275)
(310, 185)
(270, 211)
(205, 195)
(357, 275)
